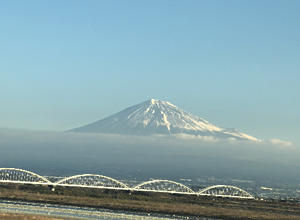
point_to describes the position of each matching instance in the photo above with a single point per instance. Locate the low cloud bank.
(156, 155)
(182, 142)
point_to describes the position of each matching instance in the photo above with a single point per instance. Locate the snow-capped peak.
(158, 102)
(158, 117)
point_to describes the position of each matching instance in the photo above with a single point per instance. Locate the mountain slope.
(158, 117)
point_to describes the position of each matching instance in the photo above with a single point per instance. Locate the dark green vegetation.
(187, 205)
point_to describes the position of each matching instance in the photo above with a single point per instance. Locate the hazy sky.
(64, 64)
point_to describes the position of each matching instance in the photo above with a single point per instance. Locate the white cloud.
(167, 144)
(23, 136)
(280, 143)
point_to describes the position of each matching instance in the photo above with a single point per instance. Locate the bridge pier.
(51, 187)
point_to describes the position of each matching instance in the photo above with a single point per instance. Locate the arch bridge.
(91, 180)
(14, 175)
(163, 186)
(225, 191)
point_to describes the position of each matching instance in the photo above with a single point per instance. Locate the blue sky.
(64, 64)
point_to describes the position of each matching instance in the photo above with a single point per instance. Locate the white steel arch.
(21, 176)
(225, 191)
(91, 180)
(163, 186)
(14, 175)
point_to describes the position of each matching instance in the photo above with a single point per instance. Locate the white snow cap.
(159, 117)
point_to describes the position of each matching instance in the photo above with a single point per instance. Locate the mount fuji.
(159, 117)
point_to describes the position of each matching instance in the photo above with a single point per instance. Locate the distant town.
(261, 189)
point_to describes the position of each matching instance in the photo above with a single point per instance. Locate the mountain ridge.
(158, 117)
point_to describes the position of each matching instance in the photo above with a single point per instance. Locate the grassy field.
(7, 216)
(186, 205)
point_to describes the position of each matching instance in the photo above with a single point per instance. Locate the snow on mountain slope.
(158, 117)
